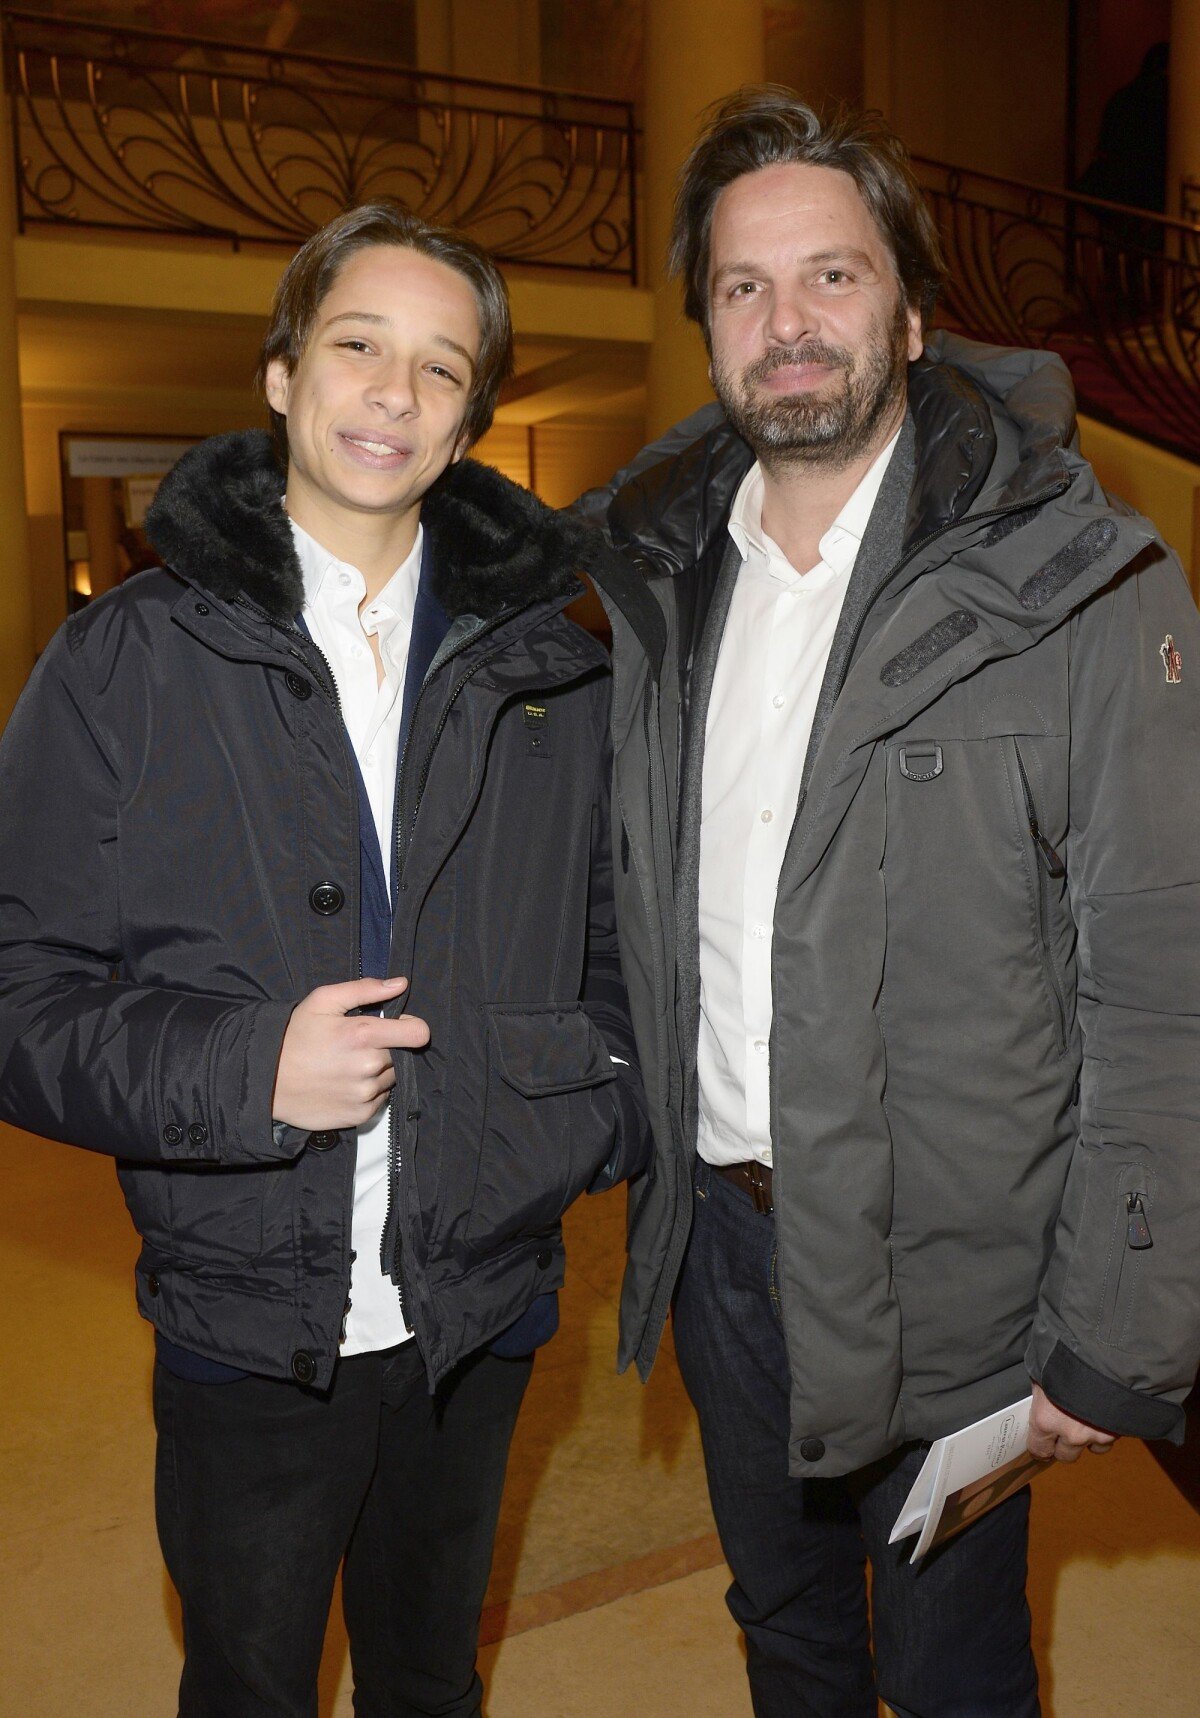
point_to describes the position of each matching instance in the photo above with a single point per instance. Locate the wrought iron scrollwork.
(1115, 291)
(137, 131)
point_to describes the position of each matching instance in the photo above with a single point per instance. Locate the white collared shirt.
(774, 649)
(371, 710)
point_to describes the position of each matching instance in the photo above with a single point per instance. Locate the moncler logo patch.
(1172, 660)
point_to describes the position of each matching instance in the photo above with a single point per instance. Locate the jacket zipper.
(389, 1241)
(1054, 865)
(663, 863)
(291, 631)
(336, 698)
(1131, 1211)
(1046, 859)
(427, 765)
(660, 982)
(358, 963)
(1137, 1227)
(333, 696)
(332, 692)
(390, 1259)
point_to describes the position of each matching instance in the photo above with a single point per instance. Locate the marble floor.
(607, 1589)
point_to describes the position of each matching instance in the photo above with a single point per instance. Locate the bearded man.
(912, 799)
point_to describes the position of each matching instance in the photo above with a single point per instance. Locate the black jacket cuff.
(1078, 1389)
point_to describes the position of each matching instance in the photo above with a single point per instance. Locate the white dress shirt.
(371, 710)
(768, 677)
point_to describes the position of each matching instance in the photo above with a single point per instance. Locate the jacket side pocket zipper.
(1048, 864)
(1120, 1289)
(1137, 1227)
(1049, 856)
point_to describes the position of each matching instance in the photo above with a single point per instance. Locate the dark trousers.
(951, 1637)
(262, 1487)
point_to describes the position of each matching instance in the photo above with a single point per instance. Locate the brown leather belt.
(753, 1178)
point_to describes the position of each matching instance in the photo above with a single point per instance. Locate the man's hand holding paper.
(1056, 1436)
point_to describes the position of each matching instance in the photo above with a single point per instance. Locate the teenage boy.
(307, 920)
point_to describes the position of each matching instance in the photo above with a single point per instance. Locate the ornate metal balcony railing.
(138, 131)
(1115, 291)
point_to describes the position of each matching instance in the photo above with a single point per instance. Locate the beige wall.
(696, 52)
(16, 613)
(498, 40)
(1161, 485)
(1183, 167)
(973, 82)
(816, 47)
(561, 459)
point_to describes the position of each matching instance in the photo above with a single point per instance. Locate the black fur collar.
(217, 520)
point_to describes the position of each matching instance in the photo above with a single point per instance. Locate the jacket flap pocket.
(1007, 713)
(549, 1049)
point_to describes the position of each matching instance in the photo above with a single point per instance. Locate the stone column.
(1183, 159)
(16, 592)
(696, 51)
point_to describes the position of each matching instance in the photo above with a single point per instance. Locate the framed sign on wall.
(108, 482)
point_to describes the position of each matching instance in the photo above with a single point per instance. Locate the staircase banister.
(56, 22)
(1080, 199)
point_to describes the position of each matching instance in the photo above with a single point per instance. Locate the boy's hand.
(335, 1071)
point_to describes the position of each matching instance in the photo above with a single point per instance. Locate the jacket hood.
(1014, 408)
(992, 425)
(217, 520)
(1034, 388)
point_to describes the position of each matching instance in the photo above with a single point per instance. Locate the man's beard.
(819, 428)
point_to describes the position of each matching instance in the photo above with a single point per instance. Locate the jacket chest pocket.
(548, 1121)
(975, 886)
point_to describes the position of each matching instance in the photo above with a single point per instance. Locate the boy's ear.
(276, 386)
(461, 447)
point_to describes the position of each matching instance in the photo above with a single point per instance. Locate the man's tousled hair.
(316, 265)
(765, 125)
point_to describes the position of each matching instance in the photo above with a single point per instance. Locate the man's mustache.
(783, 357)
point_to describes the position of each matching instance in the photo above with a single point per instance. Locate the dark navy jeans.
(950, 1637)
(263, 1487)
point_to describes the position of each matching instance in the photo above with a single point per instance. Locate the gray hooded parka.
(985, 1053)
